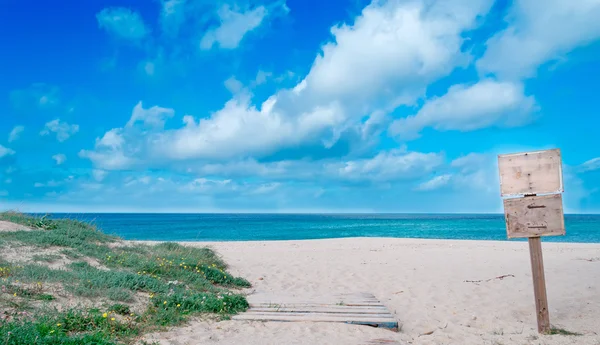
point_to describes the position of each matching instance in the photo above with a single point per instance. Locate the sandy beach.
(427, 284)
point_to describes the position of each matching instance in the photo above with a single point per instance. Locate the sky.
(293, 105)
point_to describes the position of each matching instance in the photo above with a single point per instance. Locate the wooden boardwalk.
(357, 308)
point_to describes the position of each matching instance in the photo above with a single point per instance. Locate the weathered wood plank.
(378, 322)
(534, 216)
(538, 172)
(293, 305)
(374, 310)
(348, 315)
(539, 284)
(353, 308)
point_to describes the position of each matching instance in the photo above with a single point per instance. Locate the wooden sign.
(534, 216)
(538, 172)
(527, 174)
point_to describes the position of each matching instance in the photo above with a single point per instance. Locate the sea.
(261, 227)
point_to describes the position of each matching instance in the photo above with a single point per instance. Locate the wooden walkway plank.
(355, 308)
(325, 309)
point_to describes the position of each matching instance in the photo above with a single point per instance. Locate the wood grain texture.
(534, 216)
(359, 308)
(538, 172)
(539, 284)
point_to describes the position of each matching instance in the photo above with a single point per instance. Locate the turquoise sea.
(250, 227)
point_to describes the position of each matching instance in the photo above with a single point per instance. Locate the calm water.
(244, 227)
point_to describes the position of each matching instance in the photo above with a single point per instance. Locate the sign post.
(528, 215)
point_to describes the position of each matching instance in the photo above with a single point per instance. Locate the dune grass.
(172, 283)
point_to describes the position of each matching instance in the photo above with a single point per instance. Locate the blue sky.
(292, 106)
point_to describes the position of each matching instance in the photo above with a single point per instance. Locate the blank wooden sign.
(538, 172)
(534, 216)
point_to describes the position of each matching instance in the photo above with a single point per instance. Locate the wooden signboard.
(538, 172)
(530, 216)
(534, 216)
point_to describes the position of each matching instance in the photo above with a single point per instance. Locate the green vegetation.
(560, 331)
(124, 289)
(46, 257)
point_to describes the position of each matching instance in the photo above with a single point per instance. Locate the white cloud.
(233, 85)
(38, 95)
(151, 117)
(99, 174)
(261, 77)
(109, 160)
(5, 151)
(112, 139)
(435, 183)
(266, 188)
(62, 130)
(204, 185)
(386, 166)
(470, 107)
(476, 171)
(540, 31)
(172, 16)
(15, 133)
(590, 165)
(59, 158)
(399, 47)
(235, 24)
(122, 23)
(469, 162)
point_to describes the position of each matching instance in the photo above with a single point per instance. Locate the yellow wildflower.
(58, 324)
(112, 319)
(105, 315)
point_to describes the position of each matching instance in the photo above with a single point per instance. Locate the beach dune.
(441, 291)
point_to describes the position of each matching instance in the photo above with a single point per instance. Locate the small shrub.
(45, 297)
(121, 309)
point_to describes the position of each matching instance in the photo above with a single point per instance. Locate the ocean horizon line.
(299, 213)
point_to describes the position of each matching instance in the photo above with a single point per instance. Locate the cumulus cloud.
(59, 158)
(540, 31)
(470, 107)
(122, 23)
(399, 47)
(5, 151)
(62, 130)
(15, 133)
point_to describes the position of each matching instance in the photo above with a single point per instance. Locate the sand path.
(422, 282)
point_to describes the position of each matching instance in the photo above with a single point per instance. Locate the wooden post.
(528, 174)
(539, 284)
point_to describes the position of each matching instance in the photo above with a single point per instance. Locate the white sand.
(8, 226)
(422, 282)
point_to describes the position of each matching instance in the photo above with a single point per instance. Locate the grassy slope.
(173, 282)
